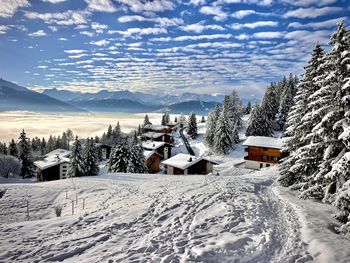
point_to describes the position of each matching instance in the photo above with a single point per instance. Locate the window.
(267, 165)
(274, 158)
(264, 157)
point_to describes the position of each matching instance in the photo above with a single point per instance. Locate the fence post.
(76, 198)
(27, 210)
(66, 194)
(83, 203)
(72, 207)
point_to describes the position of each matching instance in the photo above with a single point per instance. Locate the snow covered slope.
(150, 218)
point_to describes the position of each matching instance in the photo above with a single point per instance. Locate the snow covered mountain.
(149, 99)
(15, 97)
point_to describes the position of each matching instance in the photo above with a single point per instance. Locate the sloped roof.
(265, 142)
(153, 145)
(148, 154)
(59, 152)
(182, 161)
(153, 134)
(50, 162)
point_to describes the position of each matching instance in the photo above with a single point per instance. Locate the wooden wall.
(257, 153)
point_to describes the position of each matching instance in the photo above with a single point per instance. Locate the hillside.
(14, 97)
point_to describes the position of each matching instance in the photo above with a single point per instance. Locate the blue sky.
(161, 46)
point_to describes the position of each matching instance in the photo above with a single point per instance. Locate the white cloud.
(39, 33)
(63, 39)
(243, 13)
(102, 42)
(198, 2)
(256, 2)
(138, 6)
(309, 36)
(309, 2)
(66, 18)
(255, 24)
(98, 26)
(312, 12)
(9, 7)
(187, 38)
(75, 51)
(101, 6)
(242, 37)
(42, 67)
(140, 31)
(200, 27)
(53, 1)
(317, 25)
(216, 11)
(87, 33)
(162, 21)
(268, 35)
(3, 29)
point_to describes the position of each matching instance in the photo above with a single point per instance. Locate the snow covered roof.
(149, 145)
(156, 127)
(265, 142)
(182, 161)
(148, 154)
(50, 162)
(153, 134)
(59, 152)
(53, 158)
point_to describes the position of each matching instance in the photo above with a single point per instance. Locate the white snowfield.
(162, 218)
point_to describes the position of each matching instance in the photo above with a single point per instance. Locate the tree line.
(318, 129)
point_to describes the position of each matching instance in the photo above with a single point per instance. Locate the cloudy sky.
(161, 46)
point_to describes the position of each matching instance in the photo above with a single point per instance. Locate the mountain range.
(15, 97)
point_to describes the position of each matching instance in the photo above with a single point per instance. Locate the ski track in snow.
(153, 218)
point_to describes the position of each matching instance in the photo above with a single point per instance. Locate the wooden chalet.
(152, 161)
(262, 151)
(158, 137)
(182, 164)
(162, 148)
(54, 165)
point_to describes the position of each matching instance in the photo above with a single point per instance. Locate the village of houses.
(164, 154)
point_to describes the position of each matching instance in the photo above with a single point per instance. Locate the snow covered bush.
(58, 210)
(10, 166)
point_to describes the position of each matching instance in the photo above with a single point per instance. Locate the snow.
(53, 158)
(152, 145)
(163, 218)
(152, 135)
(183, 161)
(262, 141)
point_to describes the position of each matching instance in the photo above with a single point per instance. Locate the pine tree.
(259, 124)
(213, 117)
(64, 141)
(137, 162)
(182, 120)
(116, 134)
(119, 158)
(12, 150)
(77, 165)
(248, 108)
(167, 118)
(25, 155)
(70, 137)
(270, 102)
(286, 102)
(175, 119)
(3, 149)
(223, 134)
(305, 152)
(163, 122)
(203, 119)
(90, 158)
(192, 126)
(146, 121)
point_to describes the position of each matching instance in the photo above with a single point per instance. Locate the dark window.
(274, 158)
(264, 157)
(267, 165)
(261, 165)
